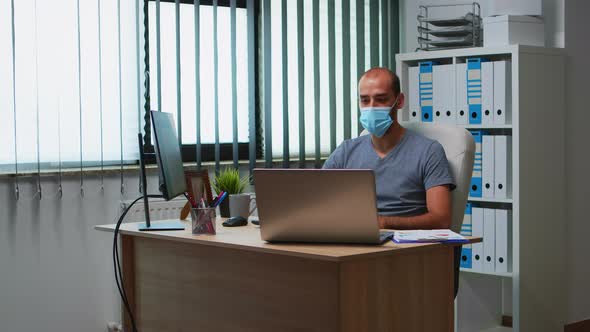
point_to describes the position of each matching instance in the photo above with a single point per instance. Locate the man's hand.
(438, 203)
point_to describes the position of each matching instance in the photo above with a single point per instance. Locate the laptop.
(316, 205)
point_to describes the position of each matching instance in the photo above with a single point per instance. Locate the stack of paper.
(434, 235)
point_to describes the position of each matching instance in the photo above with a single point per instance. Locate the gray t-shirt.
(402, 177)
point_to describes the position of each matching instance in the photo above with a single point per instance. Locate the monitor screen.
(172, 180)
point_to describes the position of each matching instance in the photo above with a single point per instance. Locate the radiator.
(159, 209)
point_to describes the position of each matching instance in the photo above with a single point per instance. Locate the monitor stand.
(167, 225)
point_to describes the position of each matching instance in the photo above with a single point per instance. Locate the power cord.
(117, 264)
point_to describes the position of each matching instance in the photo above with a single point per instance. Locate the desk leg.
(128, 262)
(406, 292)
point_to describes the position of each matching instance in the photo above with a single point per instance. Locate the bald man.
(412, 176)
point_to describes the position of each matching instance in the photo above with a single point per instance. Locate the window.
(58, 122)
(82, 103)
(169, 84)
(311, 53)
(333, 62)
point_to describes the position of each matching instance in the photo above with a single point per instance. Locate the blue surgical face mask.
(376, 120)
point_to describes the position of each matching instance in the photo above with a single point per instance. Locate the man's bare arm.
(438, 203)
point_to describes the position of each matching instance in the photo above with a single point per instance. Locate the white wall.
(577, 158)
(56, 271)
(553, 12)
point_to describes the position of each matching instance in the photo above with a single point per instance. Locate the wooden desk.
(234, 281)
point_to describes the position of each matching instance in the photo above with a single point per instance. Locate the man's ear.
(400, 101)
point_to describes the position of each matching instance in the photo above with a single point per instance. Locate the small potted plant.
(228, 180)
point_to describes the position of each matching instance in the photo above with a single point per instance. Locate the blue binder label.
(476, 182)
(426, 90)
(466, 258)
(466, 230)
(474, 93)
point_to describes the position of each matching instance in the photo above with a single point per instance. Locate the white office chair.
(459, 148)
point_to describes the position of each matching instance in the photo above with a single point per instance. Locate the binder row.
(493, 255)
(477, 92)
(492, 167)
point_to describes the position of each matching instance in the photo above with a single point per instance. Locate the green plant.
(229, 180)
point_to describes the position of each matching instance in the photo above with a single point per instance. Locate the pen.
(216, 199)
(191, 200)
(221, 198)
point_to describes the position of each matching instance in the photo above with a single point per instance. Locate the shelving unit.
(533, 293)
(498, 329)
(508, 126)
(499, 274)
(490, 200)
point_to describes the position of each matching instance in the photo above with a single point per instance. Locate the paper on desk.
(434, 235)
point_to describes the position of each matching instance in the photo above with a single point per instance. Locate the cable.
(117, 264)
(117, 268)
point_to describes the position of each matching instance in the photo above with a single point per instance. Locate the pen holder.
(203, 220)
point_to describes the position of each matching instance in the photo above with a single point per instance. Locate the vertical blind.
(291, 64)
(210, 93)
(71, 83)
(314, 47)
(279, 77)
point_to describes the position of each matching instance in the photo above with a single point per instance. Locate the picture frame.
(198, 186)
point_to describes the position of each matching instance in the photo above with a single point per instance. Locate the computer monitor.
(168, 156)
(171, 171)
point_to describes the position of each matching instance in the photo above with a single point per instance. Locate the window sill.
(115, 170)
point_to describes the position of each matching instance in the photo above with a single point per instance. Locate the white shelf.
(498, 329)
(497, 274)
(490, 200)
(473, 126)
(478, 51)
(478, 126)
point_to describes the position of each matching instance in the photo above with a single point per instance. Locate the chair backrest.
(459, 148)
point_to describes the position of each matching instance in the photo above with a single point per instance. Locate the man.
(412, 176)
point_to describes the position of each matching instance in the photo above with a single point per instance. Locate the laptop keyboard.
(384, 236)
